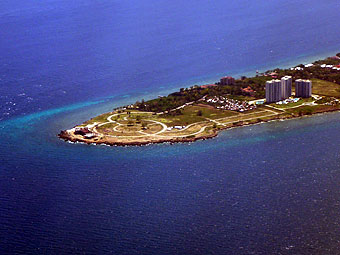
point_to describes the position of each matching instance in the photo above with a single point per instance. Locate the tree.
(199, 113)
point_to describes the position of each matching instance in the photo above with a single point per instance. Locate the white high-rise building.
(286, 86)
(303, 88)
(273, 91)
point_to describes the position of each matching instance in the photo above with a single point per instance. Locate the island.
(201, 111)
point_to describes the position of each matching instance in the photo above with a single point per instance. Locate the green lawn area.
(101, 118)
(190, 115)
(179, 120)
(325, 88)
(243, 117)
(208, 111)
(107, 126)
(325, 99)
(308, 109)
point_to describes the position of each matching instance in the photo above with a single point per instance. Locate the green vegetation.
(302, 110)
(172, 101)
(99, 119)
(190, 115)
(241, 97)
(326, 88)
(256, 83)
(207, 111)
(308, 110)
(193, 94)
(328, 61)
(325, 100)
(313, 72)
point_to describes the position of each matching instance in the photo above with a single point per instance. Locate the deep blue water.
(266, 189)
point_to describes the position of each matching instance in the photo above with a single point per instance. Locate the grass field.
(99, 119)
(243, 117)
(194, 114)
(325, 88)
(308, 110)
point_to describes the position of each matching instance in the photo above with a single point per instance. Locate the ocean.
(264, 189)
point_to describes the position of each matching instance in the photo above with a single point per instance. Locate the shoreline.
(71, 139)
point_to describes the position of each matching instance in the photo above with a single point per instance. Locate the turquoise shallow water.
(263, 189)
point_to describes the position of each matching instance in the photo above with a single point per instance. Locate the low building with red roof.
(208, 85)
(248, 90)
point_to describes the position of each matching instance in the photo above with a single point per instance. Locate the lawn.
(243, 117)
(307, 109)
(193, 114)
(325, 88)
(208, 111)
(99, 119)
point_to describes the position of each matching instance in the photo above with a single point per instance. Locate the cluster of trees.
(315, 71)
(326, 74)
(171, 101)
(174, 100)
(328, 61)
(256, 83)
(184, 96)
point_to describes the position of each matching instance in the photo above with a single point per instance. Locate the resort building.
(286, 87)
(248, 91)
(227, 80)
(273, 91)
(303, 88)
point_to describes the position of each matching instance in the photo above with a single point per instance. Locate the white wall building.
(303, 88)
(286, 86)
(273, 91)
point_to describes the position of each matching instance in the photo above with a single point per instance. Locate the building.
(248, 91)
(303, 88)
(207, 86)
(227, 80)
(273, 75)
(273, 91)
(286, 86)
